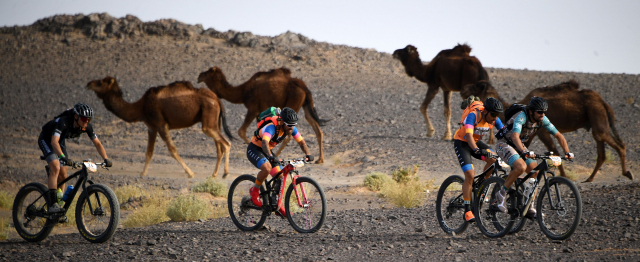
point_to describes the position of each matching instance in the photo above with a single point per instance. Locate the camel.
(450, 70)
(569, 110)
(263, 90)
(162, 108)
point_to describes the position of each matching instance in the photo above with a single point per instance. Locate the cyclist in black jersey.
(70, 124)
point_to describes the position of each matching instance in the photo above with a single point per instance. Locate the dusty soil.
(375, 127)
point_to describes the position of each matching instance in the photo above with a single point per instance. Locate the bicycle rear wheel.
(559, 208)
(521, 221)
(31, 199)
(491, 222)
(306, 206)
(97, 213)
(244, 214)
(450, 206)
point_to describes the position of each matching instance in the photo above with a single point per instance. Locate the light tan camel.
(162, 108)
(569, 110)
(263, 90)
(450, 70)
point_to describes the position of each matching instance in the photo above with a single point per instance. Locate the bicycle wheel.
(244, 214)
(31, 199)
(307, 208)
(97, 213)
(559, 209)
(450, 206)
(491, 222)
(521, 221)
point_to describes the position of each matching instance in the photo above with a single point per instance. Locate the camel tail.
(308, 104)
(612, 120)
(223, 122)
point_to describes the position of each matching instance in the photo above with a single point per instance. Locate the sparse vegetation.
(188, 208)
(571, 174)
(6, 200)
(609, 157)
(375, 181)
(214, 187)
(336, 160)
(405, 175)
(152, 210)
(4, 228)
(125, 192)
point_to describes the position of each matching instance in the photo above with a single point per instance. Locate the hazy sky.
(581, 36)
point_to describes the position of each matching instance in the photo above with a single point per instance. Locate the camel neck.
(417, 69)
(129, 112)
(226, 91)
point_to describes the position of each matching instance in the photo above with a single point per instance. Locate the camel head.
(482, 89)
(213, 74)
(405, 53)
(105, 86)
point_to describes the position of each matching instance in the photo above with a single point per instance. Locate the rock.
(152, 242)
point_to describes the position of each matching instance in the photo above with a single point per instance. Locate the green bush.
(375, 181)
(188, 208)
(152, 211)
(211, 186)
(4, 228)
(405, 175)
(6, 200)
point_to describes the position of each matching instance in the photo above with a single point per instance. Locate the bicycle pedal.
(63, 219)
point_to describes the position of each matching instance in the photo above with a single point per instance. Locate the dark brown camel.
(263, 90)
(450, 70)
(163, 108)
(569, 110)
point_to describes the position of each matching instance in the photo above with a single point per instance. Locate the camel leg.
(150, 147)
(447, 114)
(622, 153)
(431, 93)
(248, 118)
(547, 140)
(222, 148)
(316, 128)
(164, 134)
(599, 160)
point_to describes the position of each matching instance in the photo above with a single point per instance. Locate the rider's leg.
(490, 162)
(62, 175)
(54, 170)
(517, 167)
(531, 164)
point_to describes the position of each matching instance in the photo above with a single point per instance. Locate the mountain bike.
(305, 203)
(558, 207)
(97, 209)
(450, 204)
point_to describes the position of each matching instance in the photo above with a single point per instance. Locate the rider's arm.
(267, 132)
(562, 142)
(100, 148)
(469, 125)
(296, 135)
(515, 138)
(55, 143)
(498, 124)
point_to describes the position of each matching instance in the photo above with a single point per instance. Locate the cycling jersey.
(62, 127)
(519, 124)
(478, 128)
(274, 136)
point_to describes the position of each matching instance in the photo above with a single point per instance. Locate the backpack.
(474, 106)
(67, 112)
(270, 115)
(513, 110)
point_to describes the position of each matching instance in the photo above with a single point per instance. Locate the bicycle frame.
(542, 169)
(288, 169)
(477, 180)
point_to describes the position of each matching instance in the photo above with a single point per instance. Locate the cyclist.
(259, 150)
(510, 146)
(467, 143)
(69, 124)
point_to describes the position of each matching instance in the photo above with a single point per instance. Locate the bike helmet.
(289, 116)
(538, 104)
(493, 105)
(83, 110)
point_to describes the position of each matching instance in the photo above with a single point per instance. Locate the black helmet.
(83, 110)
(493, 105)
(289, 116)
(538, 104)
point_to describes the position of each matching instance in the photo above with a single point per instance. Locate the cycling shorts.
(47, 150)
(509, 154)
(464, 153)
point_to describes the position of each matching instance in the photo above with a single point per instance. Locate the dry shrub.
(188, 208)
(405, 175)
(571, 174)
(152, 210)
(125, 192)
(214, 187)
(6, 200)
(407, 195)
(4, 228)
(375, 181)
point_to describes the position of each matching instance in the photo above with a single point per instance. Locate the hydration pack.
(474, 106)
(271, 115)
(513, 110)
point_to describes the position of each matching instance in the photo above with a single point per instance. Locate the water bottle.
(67, 192)
(60, 195)
(528, 186)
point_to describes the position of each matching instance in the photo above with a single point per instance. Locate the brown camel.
(263, 90)
(162, 108)
(450, 70)
(569, 110)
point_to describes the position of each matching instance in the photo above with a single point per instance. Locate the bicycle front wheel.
(450, 206)
(491, 222)
(244, 214)
(30, 203)
(97, 213)
(559, 208)
(305, 205)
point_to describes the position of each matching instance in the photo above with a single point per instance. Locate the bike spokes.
(559, 208)
(305, 205)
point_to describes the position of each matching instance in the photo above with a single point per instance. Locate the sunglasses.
(540, 112)
(494, 114)
(290, 125)
(85, 119)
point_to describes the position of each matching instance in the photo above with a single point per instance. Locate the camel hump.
(463, 49)
(571, 85)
